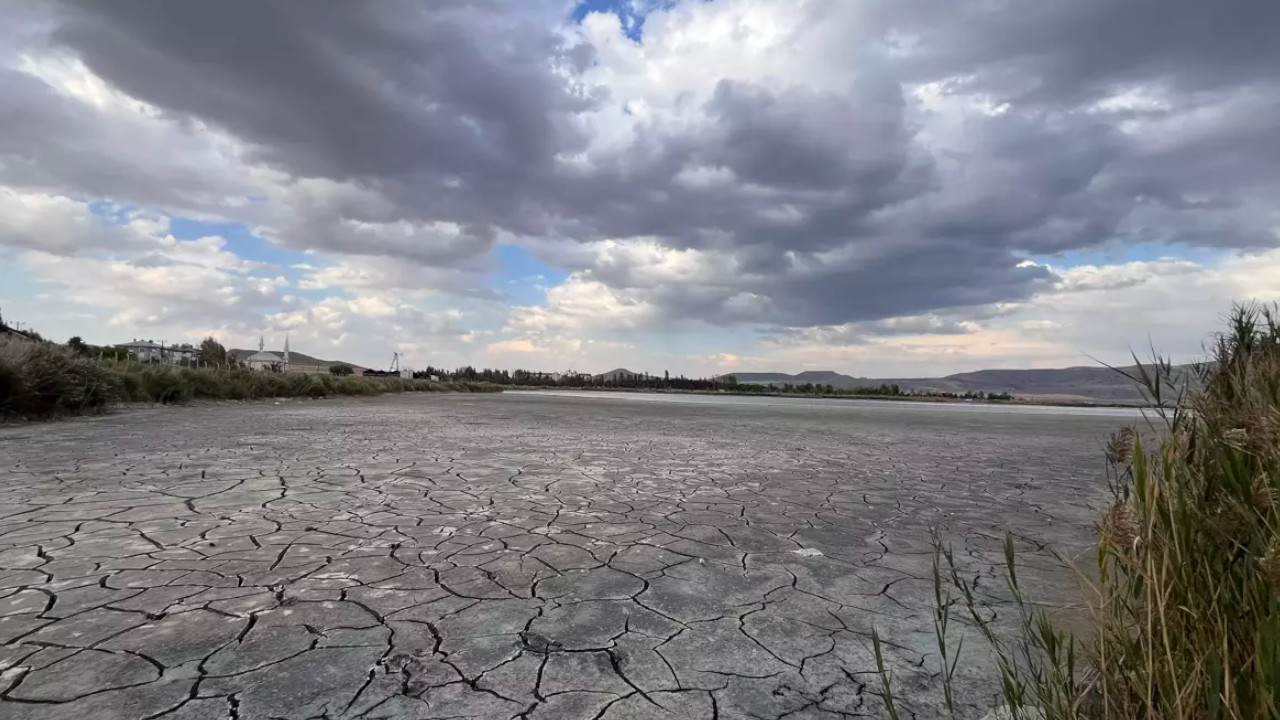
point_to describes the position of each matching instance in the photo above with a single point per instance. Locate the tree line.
(665, 381)
(533, 378)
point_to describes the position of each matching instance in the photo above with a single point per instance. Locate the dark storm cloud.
(802, 140)
(462, 112)
(910, 281)
(1067, 52)
(378, 89)
(806, 171)
(51, 143)
(895, 279)
(1027, 181)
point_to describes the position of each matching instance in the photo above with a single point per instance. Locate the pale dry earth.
(515, 556)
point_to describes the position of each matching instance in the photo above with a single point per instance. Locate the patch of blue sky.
(1118, 253)
(240, 240)
(523, 278)
(110, 211)
(631, 13)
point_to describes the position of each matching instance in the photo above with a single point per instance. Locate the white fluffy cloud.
(60, 225)
(582, 307)
(126, 266)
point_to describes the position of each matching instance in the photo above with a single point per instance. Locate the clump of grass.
(352, 385)
(1184, 594)
(165, 384)
(307, 385)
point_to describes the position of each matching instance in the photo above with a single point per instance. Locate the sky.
(877, 187)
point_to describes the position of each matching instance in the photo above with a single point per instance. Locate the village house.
(158, 352)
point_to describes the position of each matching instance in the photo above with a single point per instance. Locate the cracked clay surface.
(512, 556)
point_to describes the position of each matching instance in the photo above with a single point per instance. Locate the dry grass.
(1183, 615)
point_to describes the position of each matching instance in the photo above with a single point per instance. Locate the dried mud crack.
(510, 556)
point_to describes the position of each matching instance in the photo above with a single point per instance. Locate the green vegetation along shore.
(43, 380)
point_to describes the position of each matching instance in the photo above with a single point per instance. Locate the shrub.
(305, 385)
(129, 385)
(352, 385)
(273, 385)
(240, 386)
(164, 384)
(209, 385)
(42, 379)
(329, 382)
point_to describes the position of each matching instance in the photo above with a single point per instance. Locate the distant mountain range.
(1081, 383)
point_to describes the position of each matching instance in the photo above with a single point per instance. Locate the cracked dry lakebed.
(524, 555)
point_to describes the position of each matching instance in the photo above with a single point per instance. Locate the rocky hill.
(616, 374)
(824, 377)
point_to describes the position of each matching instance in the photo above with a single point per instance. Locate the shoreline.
(126, 406)
(1136, 404)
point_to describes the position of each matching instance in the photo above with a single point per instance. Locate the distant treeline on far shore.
(644, 381)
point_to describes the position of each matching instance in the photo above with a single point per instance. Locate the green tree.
(340, 370)
(77, 346)
(212, 352)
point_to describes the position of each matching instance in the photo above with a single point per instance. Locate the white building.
(262, 360)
